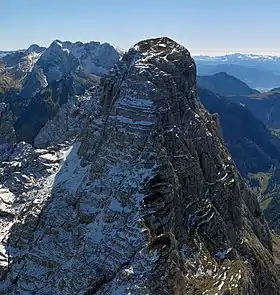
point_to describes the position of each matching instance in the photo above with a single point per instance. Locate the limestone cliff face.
(147, 201)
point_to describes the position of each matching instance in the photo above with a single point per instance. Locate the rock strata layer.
(146, 201)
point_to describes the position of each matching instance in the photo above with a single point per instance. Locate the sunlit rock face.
(65, 59)
(145, 201)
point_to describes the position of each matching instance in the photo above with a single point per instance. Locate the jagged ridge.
(148, 203)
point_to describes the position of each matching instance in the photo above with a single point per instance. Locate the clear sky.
(203, 26)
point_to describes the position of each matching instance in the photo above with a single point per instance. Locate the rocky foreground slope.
(146, 201)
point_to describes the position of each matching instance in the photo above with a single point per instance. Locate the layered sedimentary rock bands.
(146, 201)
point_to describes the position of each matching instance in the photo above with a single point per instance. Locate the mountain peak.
(165, 54)
(224, 84)
(160, 45)
(35, 48)
(147, 201)
(153, 57)
(56, 44)
(59, 42)
(223, 74)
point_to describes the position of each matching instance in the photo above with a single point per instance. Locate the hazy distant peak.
(225, 84)
(236, 56)
(35, 48)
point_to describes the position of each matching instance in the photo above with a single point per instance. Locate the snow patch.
(126, 120)
(71, 173)
(223, 254)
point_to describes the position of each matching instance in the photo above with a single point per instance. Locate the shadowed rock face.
(7, 132)
(147, 202)
(253, 147)
(264, 106)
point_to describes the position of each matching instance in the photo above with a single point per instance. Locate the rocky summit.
(134, 193)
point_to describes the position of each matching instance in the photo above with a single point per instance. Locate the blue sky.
(203, 26)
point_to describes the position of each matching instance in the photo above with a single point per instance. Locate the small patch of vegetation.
(265, 203)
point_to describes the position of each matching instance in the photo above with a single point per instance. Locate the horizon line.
(195, 53)
(217, 54)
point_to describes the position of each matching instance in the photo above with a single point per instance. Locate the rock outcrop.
(146, 201)
(68, 123)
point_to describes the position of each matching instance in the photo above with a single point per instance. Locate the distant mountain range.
(264, 106)
(253, 147)
(38, 80)
(33, 69)
(242, 117)
(258, 71)
(240, 58)
(3, 53)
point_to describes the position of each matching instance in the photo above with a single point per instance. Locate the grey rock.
(65, 59)
(68, 123)
(144, 202)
